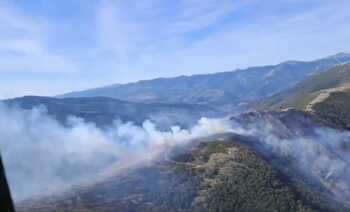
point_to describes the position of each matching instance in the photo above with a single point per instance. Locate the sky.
(49, 47)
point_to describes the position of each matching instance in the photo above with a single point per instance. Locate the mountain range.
(182, 100)
(289, 152)
(225, 90)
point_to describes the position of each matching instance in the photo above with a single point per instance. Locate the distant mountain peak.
(340, 55)
(341, 58)
(343, 53)
(291, 62)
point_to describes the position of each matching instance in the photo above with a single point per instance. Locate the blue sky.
(49, 47)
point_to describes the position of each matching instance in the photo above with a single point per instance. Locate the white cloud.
(195, 14)
(268, 39)
(129, 30)
(122, 41)
(25, 49)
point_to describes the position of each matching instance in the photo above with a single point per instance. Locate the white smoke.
(323, 155)
(42, 156)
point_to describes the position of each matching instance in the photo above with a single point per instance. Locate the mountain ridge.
(103, 111)
(325, 95)
(228, 172)
(223, 89)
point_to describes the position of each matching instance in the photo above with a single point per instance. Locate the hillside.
(223, 90)
(261, 165)
(226, 172)
(217, 176)
(104, 111)
(325, 94)
(335, 110)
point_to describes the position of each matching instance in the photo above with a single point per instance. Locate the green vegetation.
(216, 176)
(304, 92)
(335, 110)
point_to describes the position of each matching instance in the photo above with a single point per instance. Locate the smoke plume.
(323, 154)
(42, 156)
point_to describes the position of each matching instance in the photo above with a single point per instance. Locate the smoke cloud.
(42, 156)
(322, 155)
